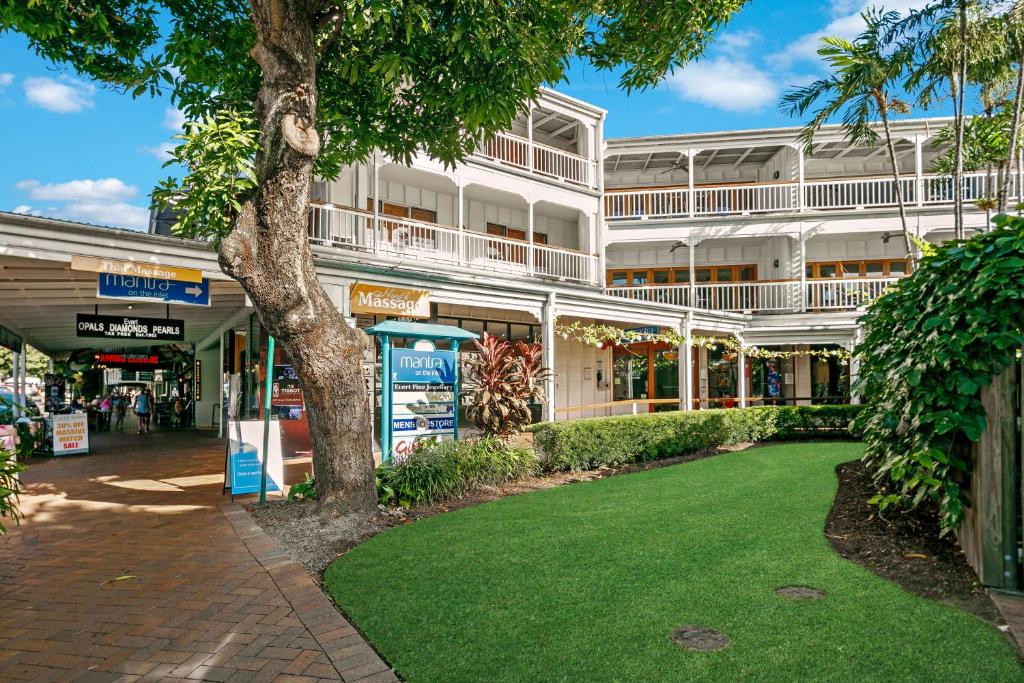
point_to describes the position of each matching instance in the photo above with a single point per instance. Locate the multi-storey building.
(734, 234)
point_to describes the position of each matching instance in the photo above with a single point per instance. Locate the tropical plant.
(931, 343)
(303, 490)
(299, 88)
(9, 488)
(508, 378)
(865, 75)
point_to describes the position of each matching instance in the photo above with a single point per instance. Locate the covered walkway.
(131, 565)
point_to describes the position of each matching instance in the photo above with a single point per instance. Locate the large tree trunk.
(268, 253)
(1011, 156)
(900, 200)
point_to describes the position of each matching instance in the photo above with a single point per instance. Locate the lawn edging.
(608, 441)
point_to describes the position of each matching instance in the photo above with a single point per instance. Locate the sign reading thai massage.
(396, 301)
(95, 264)
(117, 327)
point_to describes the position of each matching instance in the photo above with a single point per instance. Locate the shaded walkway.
(131, 565)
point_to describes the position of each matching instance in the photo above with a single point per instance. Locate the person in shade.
(142, 407)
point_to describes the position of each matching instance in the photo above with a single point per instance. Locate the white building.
(733, 234)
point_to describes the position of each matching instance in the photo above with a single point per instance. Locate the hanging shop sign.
(95, 264)
(159, 290)
(54, 391)
(243, 463)
(423, 397)
(393, 301)
(70, 434)
(127, 360)
(10, 341)
(118, 327)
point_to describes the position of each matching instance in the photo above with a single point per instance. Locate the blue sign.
(245, 469)
(422, 423)
(111, 286)
(651, 330)
(424, 367)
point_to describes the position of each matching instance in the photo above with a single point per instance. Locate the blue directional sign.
(111, 286)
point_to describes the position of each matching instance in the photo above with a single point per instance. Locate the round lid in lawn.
(800, 593)
(699, 638)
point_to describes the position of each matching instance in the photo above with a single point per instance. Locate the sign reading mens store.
(395, 301)
(115, 327)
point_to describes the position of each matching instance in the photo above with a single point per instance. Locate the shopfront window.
(722, 366)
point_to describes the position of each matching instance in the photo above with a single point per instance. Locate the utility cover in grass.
(699, 638)
(801, 593)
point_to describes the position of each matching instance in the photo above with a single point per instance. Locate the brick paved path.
(211, 596)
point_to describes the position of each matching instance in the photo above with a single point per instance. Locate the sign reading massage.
(95, 264)
(396, 301)
(114, 327)
(423, 397)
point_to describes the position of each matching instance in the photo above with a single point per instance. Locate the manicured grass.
(586, 582)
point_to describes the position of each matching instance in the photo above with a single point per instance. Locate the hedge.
(596, 442)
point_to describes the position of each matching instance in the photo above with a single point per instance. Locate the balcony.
(539, 159)
(784, 296)
(754, 199)
(427, 243)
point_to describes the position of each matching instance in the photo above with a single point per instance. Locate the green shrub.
(9, 487)
(604, 441)
(444, 469)
(304, 490)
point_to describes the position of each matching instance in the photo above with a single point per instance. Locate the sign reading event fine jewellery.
(396, 301)
(117, 327)
(423, 397)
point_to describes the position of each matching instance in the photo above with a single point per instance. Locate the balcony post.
(801, 201)
(919, 141)
(691, 245)
(741, 374)
(690, 155)
(376, 202)
(550, 314)
(530, 262)
(802, 301)
(462, 223)
(854, 365)
(686, 364)
(529, 137)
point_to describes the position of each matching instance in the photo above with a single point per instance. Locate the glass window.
(724, 275)
(703, 275)
(851, 269)
(827, 270)
(660, 277)
(747, 274)
(682, 276)
(873, 269)
(521, 332)
(619, 278)
(639, 277)
(897, 268)
(497, 329)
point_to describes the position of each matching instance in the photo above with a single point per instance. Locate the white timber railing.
(401, 238)
(539, 158)
(764, 297)
(791, 197)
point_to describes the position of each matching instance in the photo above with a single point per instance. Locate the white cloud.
(162, 151)
(846, 23)
(6, 79)
(101, 190)
(735, 42)
(64, 96)
(103, 201)
(174, 119)
(725, 84)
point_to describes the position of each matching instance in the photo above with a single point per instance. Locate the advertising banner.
(70, 434)
(381, 300)
(54, 388)
(110, 286)
(245, 440)
(118, 267)
(423, 385)
(118, 327)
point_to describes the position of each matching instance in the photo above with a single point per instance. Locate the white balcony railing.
(762, 297)
(394, 238)
(787, 197)
(538, 158)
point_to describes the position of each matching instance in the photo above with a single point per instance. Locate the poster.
(70, 434)
(245, 441)
(422, 398)
(54, 387)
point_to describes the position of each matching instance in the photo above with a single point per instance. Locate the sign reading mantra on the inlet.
(396, 301)
(115, 327)
(95, 264)
(160, 290)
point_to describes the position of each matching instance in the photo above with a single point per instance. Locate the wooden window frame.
(839, 265)
(675, 273)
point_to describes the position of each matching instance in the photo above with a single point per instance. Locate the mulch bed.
(903, 547)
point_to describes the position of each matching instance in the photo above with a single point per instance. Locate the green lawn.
(586, 582)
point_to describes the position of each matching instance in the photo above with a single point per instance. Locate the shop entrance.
(648, 371)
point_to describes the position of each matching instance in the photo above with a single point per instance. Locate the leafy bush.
(438, 470)
(304, 490)
(508, 378)
(931, 344)
(597, 442)
(9, 487)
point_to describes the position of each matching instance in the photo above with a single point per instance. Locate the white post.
(801, 201)
(690, 154)
(15, 372)
(854, 365)
(691, 244)
(803, 270)
(741, 374)
(24, 375)
(220, 386)
(919, 169)
(529, 236)
(529, 136)
(461, 216)
(686, 365)
(548, 345)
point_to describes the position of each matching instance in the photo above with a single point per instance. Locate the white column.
(919, 141)
(529, 236)
(691, 244)
(548, 345)
(803, 270)
(741, 374)
(801, 200)
(686, 364)
(15, 372)
(24, 373)
(220, 385)
(529, 137)
(461, 218)
(598, 158)
(854, 364)
(690, 154)
(376, 201)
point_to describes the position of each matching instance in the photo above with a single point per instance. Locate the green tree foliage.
(36, 364)
(931, 343)
(9, 487)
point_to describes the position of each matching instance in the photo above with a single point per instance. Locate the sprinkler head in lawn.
(800, 593)
(699, 638)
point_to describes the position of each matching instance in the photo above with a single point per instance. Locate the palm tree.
(1015, 35)
(865, 72)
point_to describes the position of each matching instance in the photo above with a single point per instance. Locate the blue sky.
(74, 150)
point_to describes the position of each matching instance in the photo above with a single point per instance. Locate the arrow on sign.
(194, 291)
